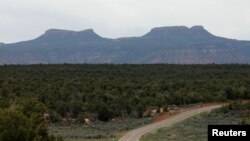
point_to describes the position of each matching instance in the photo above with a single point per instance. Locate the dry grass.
(109, 131)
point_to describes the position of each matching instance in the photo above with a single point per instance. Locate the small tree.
(15, 126)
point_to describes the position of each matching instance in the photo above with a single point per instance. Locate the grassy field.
(102, 131)
(195, 128)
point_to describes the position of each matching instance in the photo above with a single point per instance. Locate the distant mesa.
(172, 45)
(180, 31)
(159, 32)
(55, 35)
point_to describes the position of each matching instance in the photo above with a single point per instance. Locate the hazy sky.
(27, 19)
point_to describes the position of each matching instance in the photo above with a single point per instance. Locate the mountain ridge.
(175, 45)
(92, 31)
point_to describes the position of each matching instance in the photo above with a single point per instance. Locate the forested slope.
(108, 91)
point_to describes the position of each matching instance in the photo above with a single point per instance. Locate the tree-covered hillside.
(107, 91)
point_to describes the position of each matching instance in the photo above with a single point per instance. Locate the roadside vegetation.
(99, 131)
(195, 128)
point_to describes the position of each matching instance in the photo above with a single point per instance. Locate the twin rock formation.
(173, 45)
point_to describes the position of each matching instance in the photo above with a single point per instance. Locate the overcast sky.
(27, 19)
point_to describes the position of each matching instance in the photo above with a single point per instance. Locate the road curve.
(135, 135)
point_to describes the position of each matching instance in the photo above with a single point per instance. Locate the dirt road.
(135, 135)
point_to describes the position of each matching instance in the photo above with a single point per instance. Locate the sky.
(27, 19)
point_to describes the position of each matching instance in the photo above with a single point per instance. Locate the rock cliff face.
(177, 45)
(57, 35)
